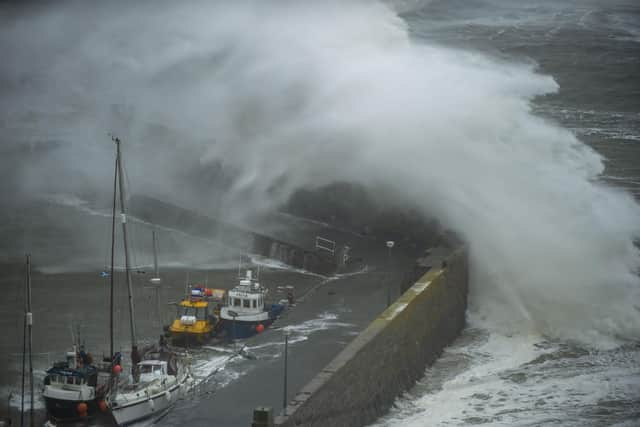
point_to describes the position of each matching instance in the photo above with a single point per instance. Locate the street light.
(390, 244)
(286, 347)
(233, 314)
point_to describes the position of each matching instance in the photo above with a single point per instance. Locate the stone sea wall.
(361, 383)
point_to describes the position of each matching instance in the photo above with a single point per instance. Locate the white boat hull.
(148, 407)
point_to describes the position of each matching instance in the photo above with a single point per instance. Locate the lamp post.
(284, 396)
(390, 244)
(233, 314)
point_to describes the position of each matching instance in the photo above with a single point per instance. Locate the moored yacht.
(159, 385)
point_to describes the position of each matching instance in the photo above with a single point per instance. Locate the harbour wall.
(386, 359)
(299, 252)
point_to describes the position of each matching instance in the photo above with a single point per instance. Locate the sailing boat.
(76, 388)
(159, 380)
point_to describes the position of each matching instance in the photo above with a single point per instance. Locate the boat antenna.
(113, 254)
(135, 356)
(186, 286)
(73, 333)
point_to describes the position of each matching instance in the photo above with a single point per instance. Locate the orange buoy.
(117, 369)
(259, 327)
(103, 406)
(82, 409)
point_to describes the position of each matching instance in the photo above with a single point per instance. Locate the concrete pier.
(387, 358)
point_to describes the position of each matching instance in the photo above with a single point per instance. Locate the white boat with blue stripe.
(245, 312)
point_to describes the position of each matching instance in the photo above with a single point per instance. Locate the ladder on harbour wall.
(327, 245)
(341, 255)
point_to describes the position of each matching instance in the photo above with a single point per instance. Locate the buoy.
(117, 369)
(259, 327)
(82, 409)
(103, 406)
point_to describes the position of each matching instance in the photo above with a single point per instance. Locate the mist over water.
(283, 96)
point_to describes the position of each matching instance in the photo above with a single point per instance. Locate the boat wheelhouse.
(196, 319)
(73, 389)
(245, 312)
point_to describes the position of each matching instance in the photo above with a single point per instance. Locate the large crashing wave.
(292, 96)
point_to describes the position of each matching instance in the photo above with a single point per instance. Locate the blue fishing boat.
(76, 388)
(245, 312)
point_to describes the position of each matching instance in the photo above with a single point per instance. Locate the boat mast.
(28, 322)
(113, 254)
(135, 357)
(24, 353)
(156, 270)
(24, 362)
(156, 280)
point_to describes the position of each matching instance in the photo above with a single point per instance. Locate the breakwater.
(300, 252)
(390, 355)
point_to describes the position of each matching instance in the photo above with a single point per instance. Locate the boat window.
(198, 313)
(255, 303)
(69, 380)
(150, 369)
(246, 303)
(236, 302)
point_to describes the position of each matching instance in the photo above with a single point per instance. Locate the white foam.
(278, 265)
(323, 322)
(15, 400)
(494, 379)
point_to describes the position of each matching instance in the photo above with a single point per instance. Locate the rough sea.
(592, 49)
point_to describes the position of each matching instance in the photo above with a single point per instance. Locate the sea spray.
(284, 96)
